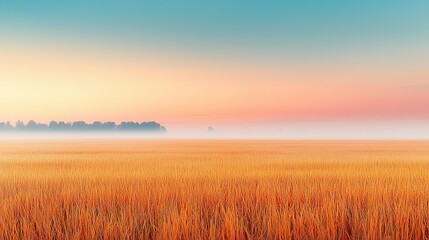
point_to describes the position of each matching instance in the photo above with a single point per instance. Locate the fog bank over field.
(79, 135)
(298, 130)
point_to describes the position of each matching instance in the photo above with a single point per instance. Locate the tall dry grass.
(214, 190)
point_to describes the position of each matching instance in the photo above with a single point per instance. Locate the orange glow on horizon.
(41, 84)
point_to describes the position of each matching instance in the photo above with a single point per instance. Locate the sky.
(298, 69)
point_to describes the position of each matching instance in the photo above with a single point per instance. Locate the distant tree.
(127, 126)
(109, 125)
(53, 125)
(42, 126)
(5, 126)
(31, 125)
(79, 125)
(97, 125)
(19, 125)
(152, 127)
(64, 126)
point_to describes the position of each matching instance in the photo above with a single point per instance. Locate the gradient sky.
(292, 66)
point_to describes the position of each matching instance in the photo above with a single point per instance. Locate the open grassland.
(214, 190)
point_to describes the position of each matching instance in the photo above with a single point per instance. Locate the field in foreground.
(214, 190)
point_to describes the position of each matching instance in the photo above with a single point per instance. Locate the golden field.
(187, 189)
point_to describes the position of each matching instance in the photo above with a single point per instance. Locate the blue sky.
(272, 26)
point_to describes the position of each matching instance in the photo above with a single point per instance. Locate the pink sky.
(60, 82)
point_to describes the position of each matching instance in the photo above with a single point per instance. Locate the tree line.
(83, 126)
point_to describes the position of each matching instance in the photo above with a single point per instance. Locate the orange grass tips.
(214, 190)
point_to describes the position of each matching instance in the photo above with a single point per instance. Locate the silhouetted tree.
(32, 125)
(6, 126)
(19, 125)
(64, 126)
(97, 125)
(79, 125)
(109, 125)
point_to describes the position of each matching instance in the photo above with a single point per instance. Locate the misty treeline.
(82, 126)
